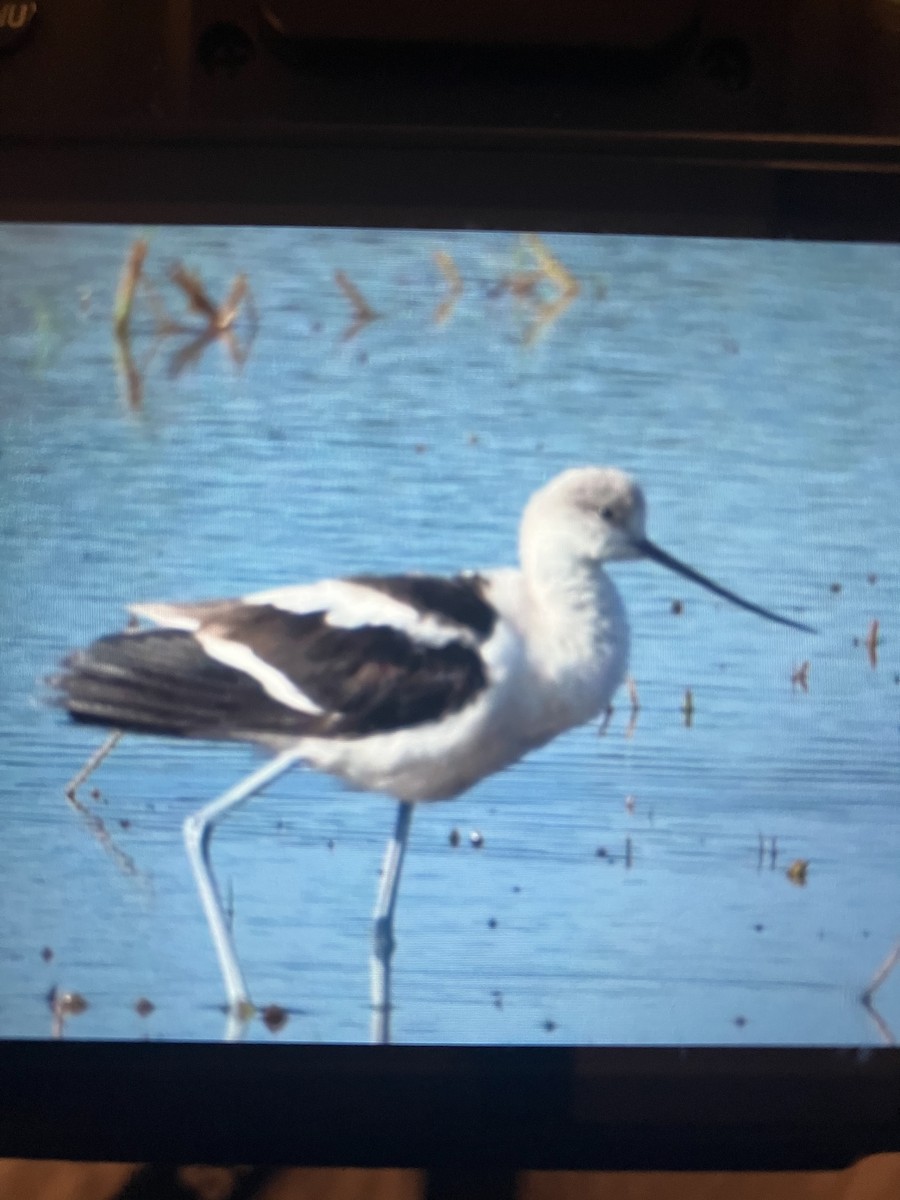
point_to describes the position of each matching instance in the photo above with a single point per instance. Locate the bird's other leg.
(71, 789)
(383, 925)
(198, 831)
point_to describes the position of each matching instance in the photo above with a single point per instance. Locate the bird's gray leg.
(71, 789)
(383, 925)
(198, 831)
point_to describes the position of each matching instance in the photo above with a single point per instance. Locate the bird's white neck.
(575, 611)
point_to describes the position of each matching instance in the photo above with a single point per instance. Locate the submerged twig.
(800, 676)
(132, 275)
(363, 313)
(197, 299)
(872, 644)
(220, 320)
(128, 282)
(559, 276)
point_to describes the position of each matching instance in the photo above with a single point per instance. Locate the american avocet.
(410, 685)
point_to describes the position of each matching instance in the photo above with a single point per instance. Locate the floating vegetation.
(447, 268)
(274, 1017)
(64, 1005)
(800, 676)
(362, 312)
(70, 1004)
(797, 872)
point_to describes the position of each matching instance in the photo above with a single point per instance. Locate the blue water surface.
(751, 386)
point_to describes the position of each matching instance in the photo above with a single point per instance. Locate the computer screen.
(702, 850)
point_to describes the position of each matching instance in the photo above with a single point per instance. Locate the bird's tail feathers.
(163, 681)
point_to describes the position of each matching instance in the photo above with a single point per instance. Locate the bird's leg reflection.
(383, 925)
(867, 996)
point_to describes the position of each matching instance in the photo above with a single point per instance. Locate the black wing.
(344, 682)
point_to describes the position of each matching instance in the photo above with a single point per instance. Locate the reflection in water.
(868, 995)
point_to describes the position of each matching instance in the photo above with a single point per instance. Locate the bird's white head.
(588, 515)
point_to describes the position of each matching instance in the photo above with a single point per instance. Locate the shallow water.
(752, 389)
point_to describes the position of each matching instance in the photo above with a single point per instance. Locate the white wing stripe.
(270, 679)
(350, 605)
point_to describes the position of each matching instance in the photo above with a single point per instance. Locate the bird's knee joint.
(195, 832)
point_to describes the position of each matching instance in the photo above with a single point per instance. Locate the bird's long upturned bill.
(650, 550)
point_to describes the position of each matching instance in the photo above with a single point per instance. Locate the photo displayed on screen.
(448, 637)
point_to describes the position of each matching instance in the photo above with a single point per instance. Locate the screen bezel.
(600, 1108)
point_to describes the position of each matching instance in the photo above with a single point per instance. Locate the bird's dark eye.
(608, 515)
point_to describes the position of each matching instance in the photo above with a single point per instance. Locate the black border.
(786, 186)
(486, 1108)
(440, 1107)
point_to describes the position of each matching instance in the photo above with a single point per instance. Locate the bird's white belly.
(441, 759)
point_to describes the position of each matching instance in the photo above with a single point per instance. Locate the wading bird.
(410, 685)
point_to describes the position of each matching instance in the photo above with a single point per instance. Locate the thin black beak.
(649, 550)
